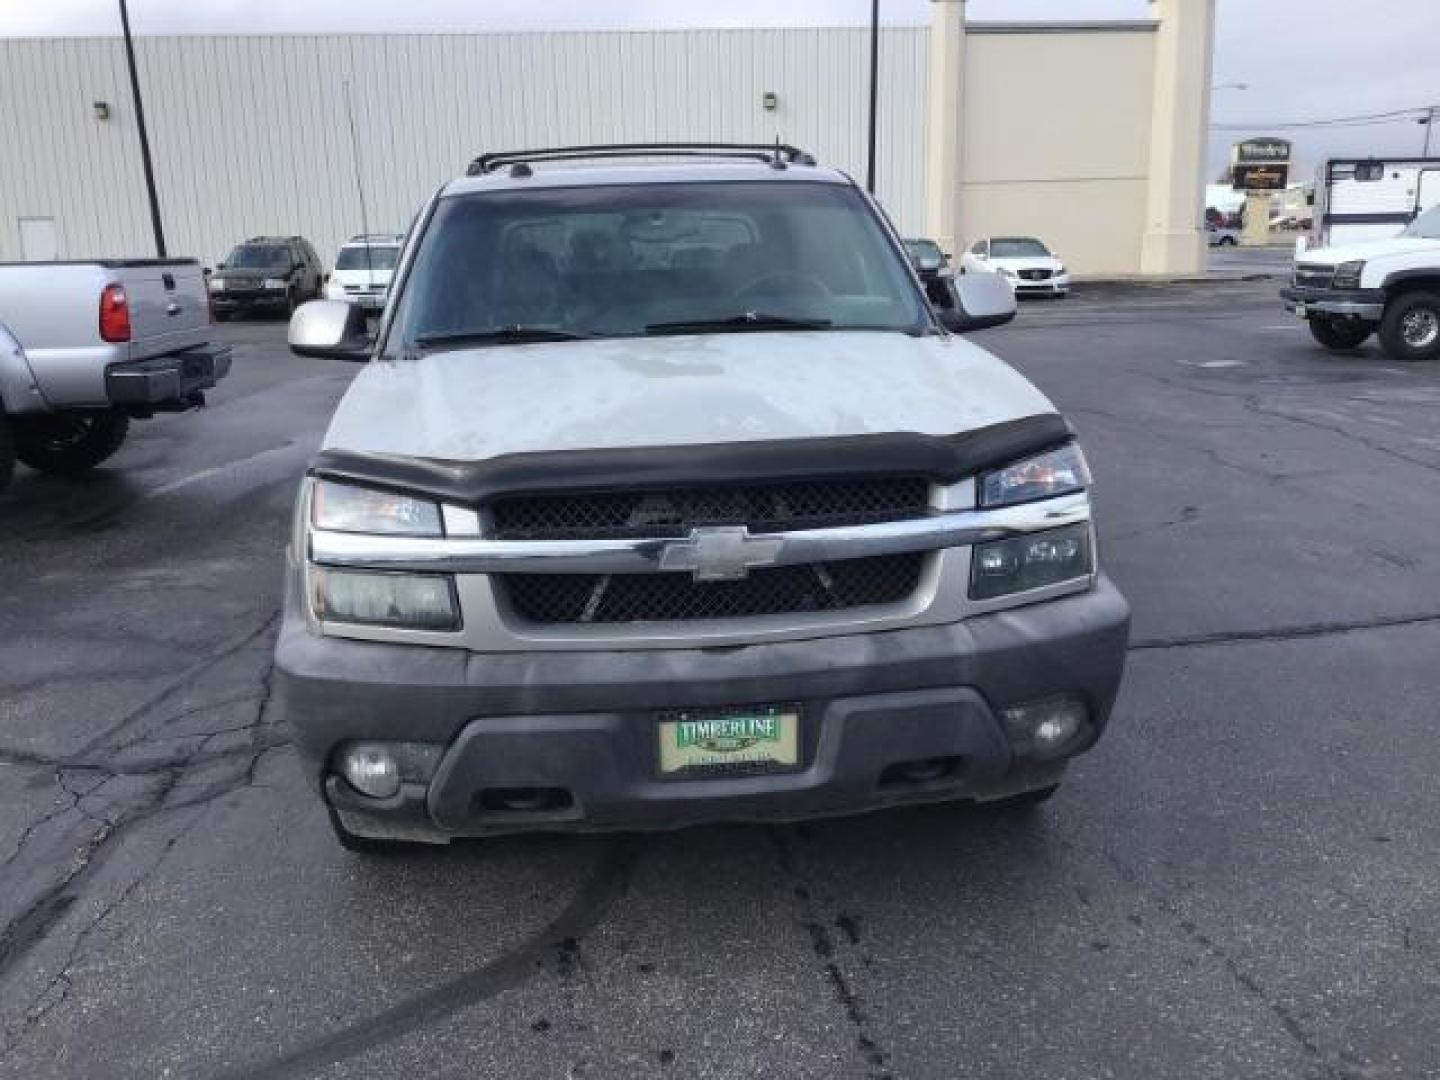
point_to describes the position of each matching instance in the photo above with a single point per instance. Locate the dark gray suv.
(266, 273)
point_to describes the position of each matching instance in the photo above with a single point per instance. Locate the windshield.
(612, 260)
(257, 257)
(355, 258)
(926, 251)
(1017, 247)
(1426, 226)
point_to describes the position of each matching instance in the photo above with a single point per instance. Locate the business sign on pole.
(1260, 164)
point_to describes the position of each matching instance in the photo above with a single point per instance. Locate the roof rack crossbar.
(770, 152)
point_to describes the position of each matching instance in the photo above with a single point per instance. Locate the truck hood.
(474, 404)
(1367, 250)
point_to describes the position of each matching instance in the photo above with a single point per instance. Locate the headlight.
(1059, 472)
(343, 508)
(273, 283)
(1060, 269)
(217, 283)
(1006, 271)
(1347, 274)
(1030, 562)
(406, 601)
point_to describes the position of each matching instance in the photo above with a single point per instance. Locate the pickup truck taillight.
(114, 314)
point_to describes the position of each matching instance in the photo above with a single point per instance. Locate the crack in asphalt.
(1253, 404)
(27, 929)
(589, 906)
(183, 681)
(1336, 1067)
(823, 944)
(1283, 633)
(57, 990)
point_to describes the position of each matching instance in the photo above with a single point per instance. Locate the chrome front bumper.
(1366, 304)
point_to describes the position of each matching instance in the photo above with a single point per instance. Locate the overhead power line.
(1393, 116)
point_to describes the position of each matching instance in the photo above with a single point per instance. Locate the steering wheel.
(784, 283)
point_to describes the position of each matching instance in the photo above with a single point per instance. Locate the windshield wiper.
(750, 320)
(503, 335)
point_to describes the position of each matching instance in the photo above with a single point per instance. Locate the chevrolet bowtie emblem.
(721, 553)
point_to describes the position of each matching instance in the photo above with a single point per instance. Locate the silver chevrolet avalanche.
(669, 494)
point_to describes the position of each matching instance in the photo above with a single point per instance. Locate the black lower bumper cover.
(583, 723)
(171, 378)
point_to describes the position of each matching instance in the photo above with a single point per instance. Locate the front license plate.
(729, 740)
(1300, 310)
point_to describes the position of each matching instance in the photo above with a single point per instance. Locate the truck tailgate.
(169, 307)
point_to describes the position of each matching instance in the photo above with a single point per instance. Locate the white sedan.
(1028, 265)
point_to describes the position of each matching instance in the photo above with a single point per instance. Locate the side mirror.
(333, 329)
(977, 300)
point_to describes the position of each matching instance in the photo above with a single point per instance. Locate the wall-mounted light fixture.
(770, 100)
(102, 110)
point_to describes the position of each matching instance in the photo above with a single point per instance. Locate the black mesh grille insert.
(669, 597)
(763, 507)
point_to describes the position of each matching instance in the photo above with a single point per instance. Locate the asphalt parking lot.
(1242, 880)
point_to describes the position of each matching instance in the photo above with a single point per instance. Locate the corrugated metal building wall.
(249, 134)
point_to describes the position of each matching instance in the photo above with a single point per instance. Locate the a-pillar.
(945, 123)
(1174, 241)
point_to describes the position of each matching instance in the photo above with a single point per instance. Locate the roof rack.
(777, 154)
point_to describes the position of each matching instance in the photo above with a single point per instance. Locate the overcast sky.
(1299, 59)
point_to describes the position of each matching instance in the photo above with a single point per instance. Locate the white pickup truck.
(86, 347)
(1392, 287)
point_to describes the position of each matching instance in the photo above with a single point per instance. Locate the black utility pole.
(144, 137)
(874, 90)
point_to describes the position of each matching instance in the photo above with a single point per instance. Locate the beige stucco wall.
(1056, 142)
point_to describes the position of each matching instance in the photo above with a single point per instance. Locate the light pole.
(1428, 122)
(144, 136)
(874, 91)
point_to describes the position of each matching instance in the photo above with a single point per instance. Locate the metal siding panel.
(251, 136)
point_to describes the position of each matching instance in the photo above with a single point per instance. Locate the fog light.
(1043, 728)
(371, 770)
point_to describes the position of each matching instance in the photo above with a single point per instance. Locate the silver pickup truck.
(86, 347)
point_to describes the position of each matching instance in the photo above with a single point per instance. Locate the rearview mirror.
(334, 329)
(976, 301)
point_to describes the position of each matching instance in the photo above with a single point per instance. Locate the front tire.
(1410, 330)
(1338, 333)
(70, 443)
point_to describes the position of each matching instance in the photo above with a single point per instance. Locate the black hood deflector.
(945, 459)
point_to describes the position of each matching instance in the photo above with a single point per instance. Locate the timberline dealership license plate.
(703, 742)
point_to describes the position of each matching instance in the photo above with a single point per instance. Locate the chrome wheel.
(1420, 328)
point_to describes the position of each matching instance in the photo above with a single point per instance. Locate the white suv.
(364, 267)
(665, 496)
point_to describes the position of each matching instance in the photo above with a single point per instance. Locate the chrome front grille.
(1314, 276)
(781, 590)
(672, 513)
